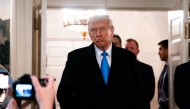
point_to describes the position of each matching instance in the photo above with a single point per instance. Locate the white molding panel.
(21, 38)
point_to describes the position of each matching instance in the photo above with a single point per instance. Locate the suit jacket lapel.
(114, 64)
(93, 66)
(114, 68)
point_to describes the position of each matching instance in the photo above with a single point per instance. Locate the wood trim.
(43, 37)
(13, 51)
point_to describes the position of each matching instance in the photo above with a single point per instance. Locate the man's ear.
(112, 32)
(138, 52)
(166, 50)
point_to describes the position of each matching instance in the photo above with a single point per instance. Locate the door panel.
(57, 52)
(79, 44)
(175, 26)
(56, 57)
(178, 44)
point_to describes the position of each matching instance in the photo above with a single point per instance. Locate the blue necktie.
(105, 67)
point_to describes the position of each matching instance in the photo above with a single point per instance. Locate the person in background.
(5, 71)
(146, 71)
(7, 98)
(44, 95)
(101, 75)
(182, 85)
(163, 97)
(41, 94)
(117, 40)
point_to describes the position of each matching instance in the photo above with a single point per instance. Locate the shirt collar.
(99, 52)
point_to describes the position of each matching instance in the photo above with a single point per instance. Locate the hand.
(48, 75)
(12, 104)
(44, 95)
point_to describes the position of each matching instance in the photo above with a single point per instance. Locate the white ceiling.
(114, 4)
(5, 9)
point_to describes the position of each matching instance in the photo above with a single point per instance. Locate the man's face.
(101, 34)
(163, 53)
(115, 41)
(131, 46)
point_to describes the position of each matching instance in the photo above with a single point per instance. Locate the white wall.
(113, 4)
(148, 28)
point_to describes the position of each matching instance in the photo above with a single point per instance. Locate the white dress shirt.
(99, 56)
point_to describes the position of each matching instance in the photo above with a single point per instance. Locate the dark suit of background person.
(147, 75)
(182, 86)
(163, 97)
(82, 84)
(146, 72)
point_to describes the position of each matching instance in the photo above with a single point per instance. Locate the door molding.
(21, 38)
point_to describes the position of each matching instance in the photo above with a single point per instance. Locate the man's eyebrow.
(92, 28)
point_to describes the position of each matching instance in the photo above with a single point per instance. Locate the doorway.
(147, 27)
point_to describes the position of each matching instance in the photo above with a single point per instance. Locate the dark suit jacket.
(182, 86)
(165, 88)
(149, 82)
(82, 85)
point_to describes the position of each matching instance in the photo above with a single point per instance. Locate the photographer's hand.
(44, 95)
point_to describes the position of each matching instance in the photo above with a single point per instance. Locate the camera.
(23, 88)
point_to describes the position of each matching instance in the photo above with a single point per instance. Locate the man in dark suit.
(163, 97)
(93, 81)
(182, 86)
(146, 71)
